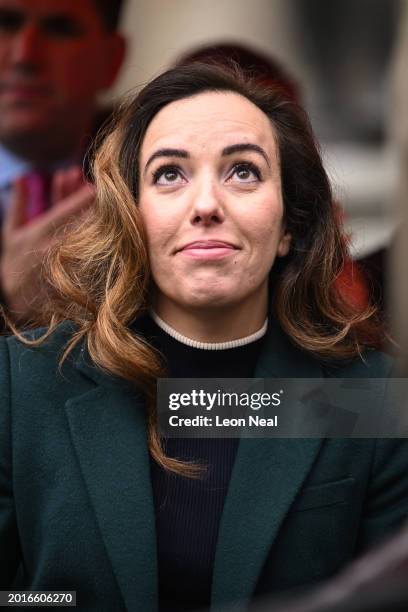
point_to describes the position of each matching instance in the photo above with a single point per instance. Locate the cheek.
(77, 69)
(264, 228)
(160, 228)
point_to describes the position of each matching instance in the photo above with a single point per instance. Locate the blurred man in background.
(56, 56)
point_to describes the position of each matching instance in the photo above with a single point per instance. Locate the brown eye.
(245, 173)
(168, 175)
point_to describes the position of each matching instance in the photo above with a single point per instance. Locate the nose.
(27, 46)
(208, 203)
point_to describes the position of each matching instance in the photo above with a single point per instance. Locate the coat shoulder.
(370, 364)
(28, 365)
(56, 342)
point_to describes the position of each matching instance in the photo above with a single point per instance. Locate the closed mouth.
(208, 244)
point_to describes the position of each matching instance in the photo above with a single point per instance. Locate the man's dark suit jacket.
(76, 507)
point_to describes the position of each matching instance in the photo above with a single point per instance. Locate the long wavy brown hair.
(100, 272)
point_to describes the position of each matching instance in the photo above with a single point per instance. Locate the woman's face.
(211, 200)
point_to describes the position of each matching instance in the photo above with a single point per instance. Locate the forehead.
(206, 120)
(80, 9)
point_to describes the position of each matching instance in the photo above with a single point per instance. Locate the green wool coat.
(76, 507)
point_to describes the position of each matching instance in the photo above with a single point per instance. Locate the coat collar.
(108, 430)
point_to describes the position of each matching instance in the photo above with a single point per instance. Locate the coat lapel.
(108, 431)
(266, 478)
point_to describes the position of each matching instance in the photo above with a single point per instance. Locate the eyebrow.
(180, 153)
(183, 154)
(245, 146)
(58, 23)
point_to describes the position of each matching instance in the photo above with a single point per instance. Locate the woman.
(214, 222)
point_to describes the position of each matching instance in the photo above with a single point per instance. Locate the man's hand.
(24, 246)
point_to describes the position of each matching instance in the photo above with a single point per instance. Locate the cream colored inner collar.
(209, 346)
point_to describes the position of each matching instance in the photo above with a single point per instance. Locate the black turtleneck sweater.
(188, 511)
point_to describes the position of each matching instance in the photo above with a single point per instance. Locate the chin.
(211, 297)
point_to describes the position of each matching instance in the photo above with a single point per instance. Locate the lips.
(207, 251)
(208, 244)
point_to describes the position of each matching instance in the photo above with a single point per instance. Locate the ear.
(114, 54)
(284, 245)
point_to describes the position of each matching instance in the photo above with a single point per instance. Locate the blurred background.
(343, 54)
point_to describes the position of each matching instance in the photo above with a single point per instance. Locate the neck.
(213, 325)
(42, 153)
(63, 142)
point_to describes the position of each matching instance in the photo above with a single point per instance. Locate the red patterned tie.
(38, 189)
